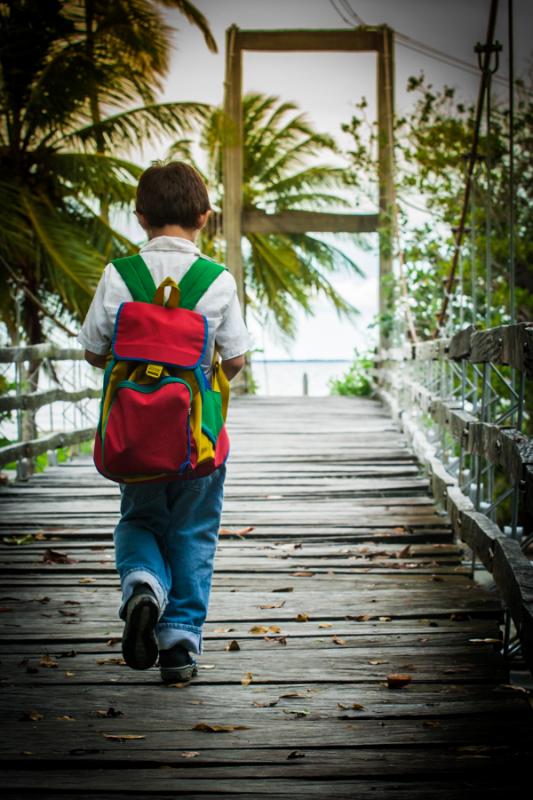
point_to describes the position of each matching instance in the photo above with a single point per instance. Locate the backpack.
(160, 418)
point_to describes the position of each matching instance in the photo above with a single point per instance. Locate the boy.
(166, 539)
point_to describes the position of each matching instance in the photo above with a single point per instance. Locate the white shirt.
(164, 256)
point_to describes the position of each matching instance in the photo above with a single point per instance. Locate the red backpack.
(160, 418)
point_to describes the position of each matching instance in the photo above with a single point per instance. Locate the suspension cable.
(512, 198)
(487, 52)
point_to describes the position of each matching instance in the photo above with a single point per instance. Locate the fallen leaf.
(47, 661)
(112, 660)
(233, 645)
(178, 685)
(278, 639)
(32, 716)
(66, 613)
(431, 723)
(223, 630)
(111, 712)
(87, 580)
(248, 678)
(69, 674)
(66, 654)
(66, 718)
(123, 737)
(113, 642)
(302, 574)
(55, 557)
(296, 754)
(379, 661)
(404, 552)
(205, 726)
(396, 680)
(338, 640)
(302, 617)
(303, 712)
(325, 624)
(273, 605)
(356, 706)
(190, 753)
(241, 532)
(265, 629)
(284, 589)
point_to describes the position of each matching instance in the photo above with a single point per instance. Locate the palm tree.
(56, 151)
(282, 271)
(128, 42)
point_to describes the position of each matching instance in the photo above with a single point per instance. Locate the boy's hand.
(232, 366)
(97, 359)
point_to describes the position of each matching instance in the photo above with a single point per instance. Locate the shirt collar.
(171, 243)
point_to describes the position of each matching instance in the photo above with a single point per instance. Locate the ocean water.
(286, 377)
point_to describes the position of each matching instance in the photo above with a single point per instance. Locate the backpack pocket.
(147, 429)
(212, 418)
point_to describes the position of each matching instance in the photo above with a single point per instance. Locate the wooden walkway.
(348, 577)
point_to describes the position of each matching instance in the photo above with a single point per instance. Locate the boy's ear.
(142, 219)
(202, 219)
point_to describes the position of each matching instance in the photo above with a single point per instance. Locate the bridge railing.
(462, 404)
(69, 400)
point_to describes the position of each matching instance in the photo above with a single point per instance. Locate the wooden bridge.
(370, 630)
(349, 650)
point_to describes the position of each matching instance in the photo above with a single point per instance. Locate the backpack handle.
(159, 294)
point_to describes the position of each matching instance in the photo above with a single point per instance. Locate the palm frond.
(145, 124)
(195, 17)
(73, 265)
(95, 175)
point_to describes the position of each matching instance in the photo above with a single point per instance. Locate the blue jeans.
(167, 537)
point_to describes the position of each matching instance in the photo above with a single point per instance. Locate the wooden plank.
(367, 39)
(258, 221)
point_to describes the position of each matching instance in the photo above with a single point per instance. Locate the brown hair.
(172, 194)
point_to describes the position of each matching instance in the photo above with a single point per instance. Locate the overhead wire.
(417, 46)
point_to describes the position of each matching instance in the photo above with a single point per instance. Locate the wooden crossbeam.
(257, 221)
(305, 221)
(365, 40)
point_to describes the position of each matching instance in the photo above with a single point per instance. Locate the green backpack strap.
(193, 285)
(137, 277)
(197, 280)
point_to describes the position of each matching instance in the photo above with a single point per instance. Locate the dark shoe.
(139, 644)
(176, 664)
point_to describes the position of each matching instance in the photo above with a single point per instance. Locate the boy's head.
(172, 194)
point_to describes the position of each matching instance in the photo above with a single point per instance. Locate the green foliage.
(431, 142)
(58, 150)
(356, 381)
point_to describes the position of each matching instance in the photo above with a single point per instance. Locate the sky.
(327, 87)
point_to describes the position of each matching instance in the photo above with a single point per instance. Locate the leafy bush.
(356, 381)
